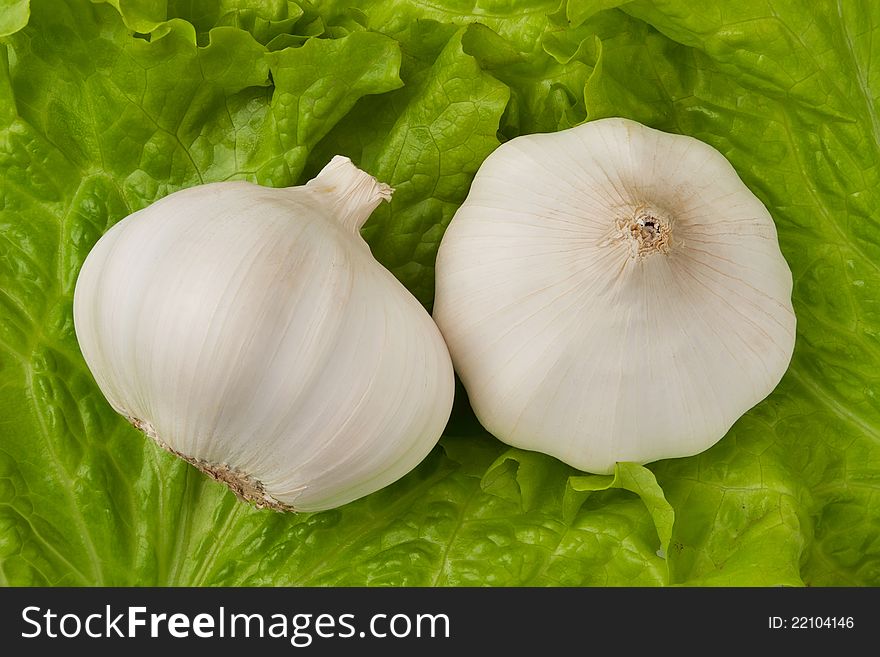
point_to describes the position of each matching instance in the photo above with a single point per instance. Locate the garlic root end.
(244, 486)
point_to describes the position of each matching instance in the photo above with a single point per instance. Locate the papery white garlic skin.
(613, 293)
(251, 331)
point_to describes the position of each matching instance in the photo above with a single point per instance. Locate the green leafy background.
(107, 106)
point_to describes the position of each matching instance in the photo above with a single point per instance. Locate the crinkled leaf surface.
(108, 106)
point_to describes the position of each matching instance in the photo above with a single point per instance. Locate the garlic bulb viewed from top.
(250, 331)
(613, 293)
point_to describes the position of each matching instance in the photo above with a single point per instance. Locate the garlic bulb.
(613, 293)
(250, 331)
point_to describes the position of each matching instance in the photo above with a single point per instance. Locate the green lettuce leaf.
(108, 106)
(263, 19)
(13, 16)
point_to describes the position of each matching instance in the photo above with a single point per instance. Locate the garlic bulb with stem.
(250, 331)
(613, 293)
